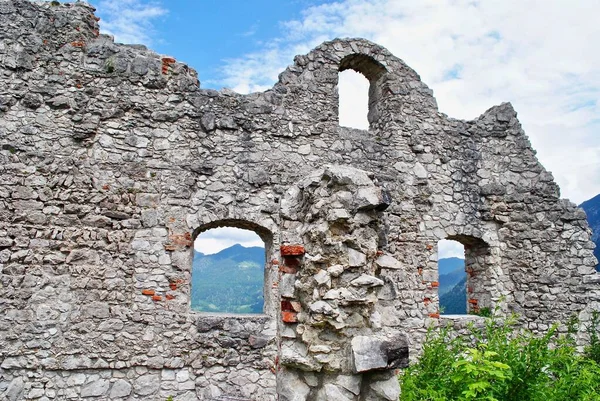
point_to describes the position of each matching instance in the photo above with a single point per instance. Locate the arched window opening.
(452, 288)
(353, 92)
(359, 91)
(228, 271)
(463, 277)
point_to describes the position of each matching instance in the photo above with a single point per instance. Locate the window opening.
(353, 92)
(228, 271)
(452, 288)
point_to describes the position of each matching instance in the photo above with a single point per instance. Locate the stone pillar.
(333, 345)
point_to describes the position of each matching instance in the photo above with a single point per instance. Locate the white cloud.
(450, 249)
(541, 56)
(353, 90)
(129, 21)
(217, 239)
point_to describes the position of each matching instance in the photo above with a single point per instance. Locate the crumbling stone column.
(333, 342)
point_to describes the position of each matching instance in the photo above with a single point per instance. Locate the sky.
(540, 55)
(217, 239)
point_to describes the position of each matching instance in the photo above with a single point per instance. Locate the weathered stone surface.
(15, 389)
(146, 385)
(376, 353)
(292, 388)
(386, 389)
(95, 388)
(120, 388)
(112, 158)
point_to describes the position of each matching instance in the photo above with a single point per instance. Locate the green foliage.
(499, 362)
(484, 312)
(592, 351)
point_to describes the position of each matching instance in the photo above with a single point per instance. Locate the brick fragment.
(291, 250)
(148, 291)
(289, 317)
(291, 306)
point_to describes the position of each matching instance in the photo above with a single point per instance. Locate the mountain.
(448, 281)
(454, 302)
(230, 281)
(448, 265)
(592, 210)
(453, 286)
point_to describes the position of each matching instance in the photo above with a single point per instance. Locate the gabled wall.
(112, 158)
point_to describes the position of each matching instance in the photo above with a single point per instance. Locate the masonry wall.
(113, 158)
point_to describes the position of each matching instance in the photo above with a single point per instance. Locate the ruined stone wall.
(112, 159)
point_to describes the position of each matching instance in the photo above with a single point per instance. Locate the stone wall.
(113, 159)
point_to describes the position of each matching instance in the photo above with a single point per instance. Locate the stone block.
(95, 388)
(379, 353)
(290, 387)
(291, 250)
(120, 388)
(287, 285)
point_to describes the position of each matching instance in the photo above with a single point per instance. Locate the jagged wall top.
(112, 159)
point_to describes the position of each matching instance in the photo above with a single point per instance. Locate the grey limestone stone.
(113, 158)
(95, 388)
(15, 389)
(146, 384)
(386, 389)
(120, 388)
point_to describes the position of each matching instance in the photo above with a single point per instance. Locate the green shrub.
(592, 351)
(502, 363)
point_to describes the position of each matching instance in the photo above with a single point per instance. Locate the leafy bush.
(592, 351)
(502, 363)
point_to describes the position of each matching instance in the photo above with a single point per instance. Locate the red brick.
(435, 284)
(148, 291)
(156, 298)
(289, 317)
(291, 250)
(169, 297)
(173, 286)
(291, 306)
(435, 315)
(473, 301)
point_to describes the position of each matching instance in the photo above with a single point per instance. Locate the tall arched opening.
(464, 280)
(359, 97)
(229, 268)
